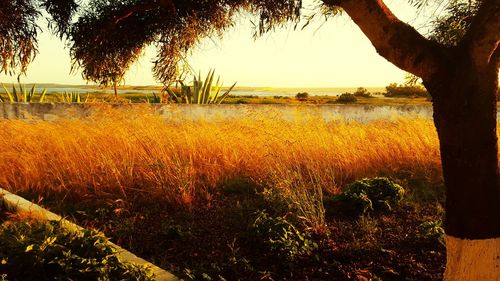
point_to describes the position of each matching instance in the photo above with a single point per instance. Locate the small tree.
(346, 98)
(362, 92)
(302, 96)
(405, 91)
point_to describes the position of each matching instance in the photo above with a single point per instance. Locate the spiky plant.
(201, 92)
(22, 94)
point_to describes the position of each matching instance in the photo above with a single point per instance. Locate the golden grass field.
(126, 151)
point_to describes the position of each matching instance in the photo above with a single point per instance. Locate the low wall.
(362, 113)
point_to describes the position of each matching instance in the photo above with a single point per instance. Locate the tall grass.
(128, 151)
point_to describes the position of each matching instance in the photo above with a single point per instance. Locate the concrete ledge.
(349, 112)
(16, 203)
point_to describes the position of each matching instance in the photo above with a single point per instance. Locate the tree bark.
(115, 90)
(464, 102)
(463, 82)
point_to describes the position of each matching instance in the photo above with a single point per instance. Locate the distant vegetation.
(363, 93)
(347, 98)
(404, 91)
(210, 91)
(302, 96)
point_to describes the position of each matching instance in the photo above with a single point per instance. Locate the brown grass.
(118, 151)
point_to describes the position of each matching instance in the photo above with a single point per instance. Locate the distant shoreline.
(289, 90)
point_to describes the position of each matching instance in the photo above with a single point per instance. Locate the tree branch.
(495, 58)
(393, 39)
(166, 4)
(483, 36)
(134, 9)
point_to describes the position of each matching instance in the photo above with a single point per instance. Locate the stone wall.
(362, 113)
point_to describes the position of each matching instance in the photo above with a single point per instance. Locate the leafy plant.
(282, 237)
(346, 98)
(32, 250)
(201, 92)
(432, 230)
(73, 97)
(373, 194)
(22, 94)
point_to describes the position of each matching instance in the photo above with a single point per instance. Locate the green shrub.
(45, 251)
(402, 91)
(375, 194)
(282, 237)
(302, 96)
(362, 92)
(431, 230)
(346, 98)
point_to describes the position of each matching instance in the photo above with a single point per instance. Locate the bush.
(302, 96)
(362, 92)
(367, 195)
(346, 98)
(282, 237)
(45, 251)
(395, 91)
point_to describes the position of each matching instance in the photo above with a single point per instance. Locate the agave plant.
(22, 94)
(73, 97)
(201, 92)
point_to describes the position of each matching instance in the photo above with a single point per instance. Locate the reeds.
(128, 151)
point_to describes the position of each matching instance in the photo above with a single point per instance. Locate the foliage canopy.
(105, 37)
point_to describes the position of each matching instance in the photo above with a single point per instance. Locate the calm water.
(92, 90)
(277, 93)
(236, 93)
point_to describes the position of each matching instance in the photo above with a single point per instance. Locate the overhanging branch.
(495, 58)
(393, 39)
(132, 10)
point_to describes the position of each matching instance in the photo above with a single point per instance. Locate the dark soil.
(213, 240)
(3, 212)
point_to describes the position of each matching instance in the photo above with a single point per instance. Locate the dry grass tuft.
(118, 151)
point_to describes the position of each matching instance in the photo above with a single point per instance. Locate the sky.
(334, 53)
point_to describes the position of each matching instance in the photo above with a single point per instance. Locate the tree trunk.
(464, 102)
(115, 90)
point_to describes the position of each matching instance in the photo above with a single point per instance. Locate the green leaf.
(31, 93)
(42, 97)
(14, 93)
(227, 93)
(11, 98)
